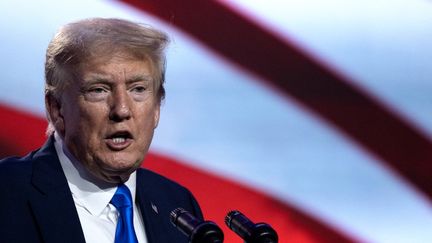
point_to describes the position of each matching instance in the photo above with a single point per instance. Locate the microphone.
(196, 230)
(248, 231)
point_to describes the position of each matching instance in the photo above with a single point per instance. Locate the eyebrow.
(139, 77)
(97, 78)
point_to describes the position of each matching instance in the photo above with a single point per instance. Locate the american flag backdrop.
(313, 116)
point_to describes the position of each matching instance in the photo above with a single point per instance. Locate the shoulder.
(15, 168)
(15, 178)
(149, 178)
(167, 192)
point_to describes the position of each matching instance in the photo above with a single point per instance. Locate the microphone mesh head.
(229, 217)
(175, 213)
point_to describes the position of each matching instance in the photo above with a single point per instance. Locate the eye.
(97, 90)
(96, 93)
(139, 89)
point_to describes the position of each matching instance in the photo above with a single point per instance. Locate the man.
(104, 86)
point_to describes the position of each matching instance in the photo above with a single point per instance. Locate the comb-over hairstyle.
(92, 39)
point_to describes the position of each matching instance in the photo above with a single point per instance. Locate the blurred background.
(313, 116)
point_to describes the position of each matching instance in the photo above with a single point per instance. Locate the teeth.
(118, 140)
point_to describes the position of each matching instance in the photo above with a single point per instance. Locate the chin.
(115, 179)
(116, 176)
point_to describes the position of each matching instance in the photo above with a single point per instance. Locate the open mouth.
(119, 140)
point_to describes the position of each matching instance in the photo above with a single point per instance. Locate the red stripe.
(216, 195)
(19, 132)
(353, 111)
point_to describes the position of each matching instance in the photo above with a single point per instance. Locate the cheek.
(85, 122)
(151, 118)
(92, 115)
(85, 130)
(147, 122)
(95, 115)
(156, 117)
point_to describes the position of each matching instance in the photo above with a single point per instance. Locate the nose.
(120, 106)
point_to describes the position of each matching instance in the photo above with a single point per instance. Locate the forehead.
(116, 66)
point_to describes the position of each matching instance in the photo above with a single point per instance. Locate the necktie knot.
(122, 197)
(122, 200)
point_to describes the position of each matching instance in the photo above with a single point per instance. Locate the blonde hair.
(89, 39)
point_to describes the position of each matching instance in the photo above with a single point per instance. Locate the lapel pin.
(155, 209)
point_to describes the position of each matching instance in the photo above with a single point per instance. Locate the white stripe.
(382, 46)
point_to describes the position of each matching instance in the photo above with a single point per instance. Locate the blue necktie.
(122, 200)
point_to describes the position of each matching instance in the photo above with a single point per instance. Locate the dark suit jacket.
(36, 204)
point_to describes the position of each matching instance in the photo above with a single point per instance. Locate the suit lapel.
(51, 200)
(149, 209)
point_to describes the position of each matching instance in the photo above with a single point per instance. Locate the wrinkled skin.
(107, 118)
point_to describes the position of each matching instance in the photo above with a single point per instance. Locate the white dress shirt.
(92, 198)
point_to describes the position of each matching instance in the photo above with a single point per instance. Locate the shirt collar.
(88, 191)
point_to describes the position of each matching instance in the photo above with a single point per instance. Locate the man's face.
(107, 118)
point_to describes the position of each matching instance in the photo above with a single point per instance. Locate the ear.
(54, 111)
(156, 116)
